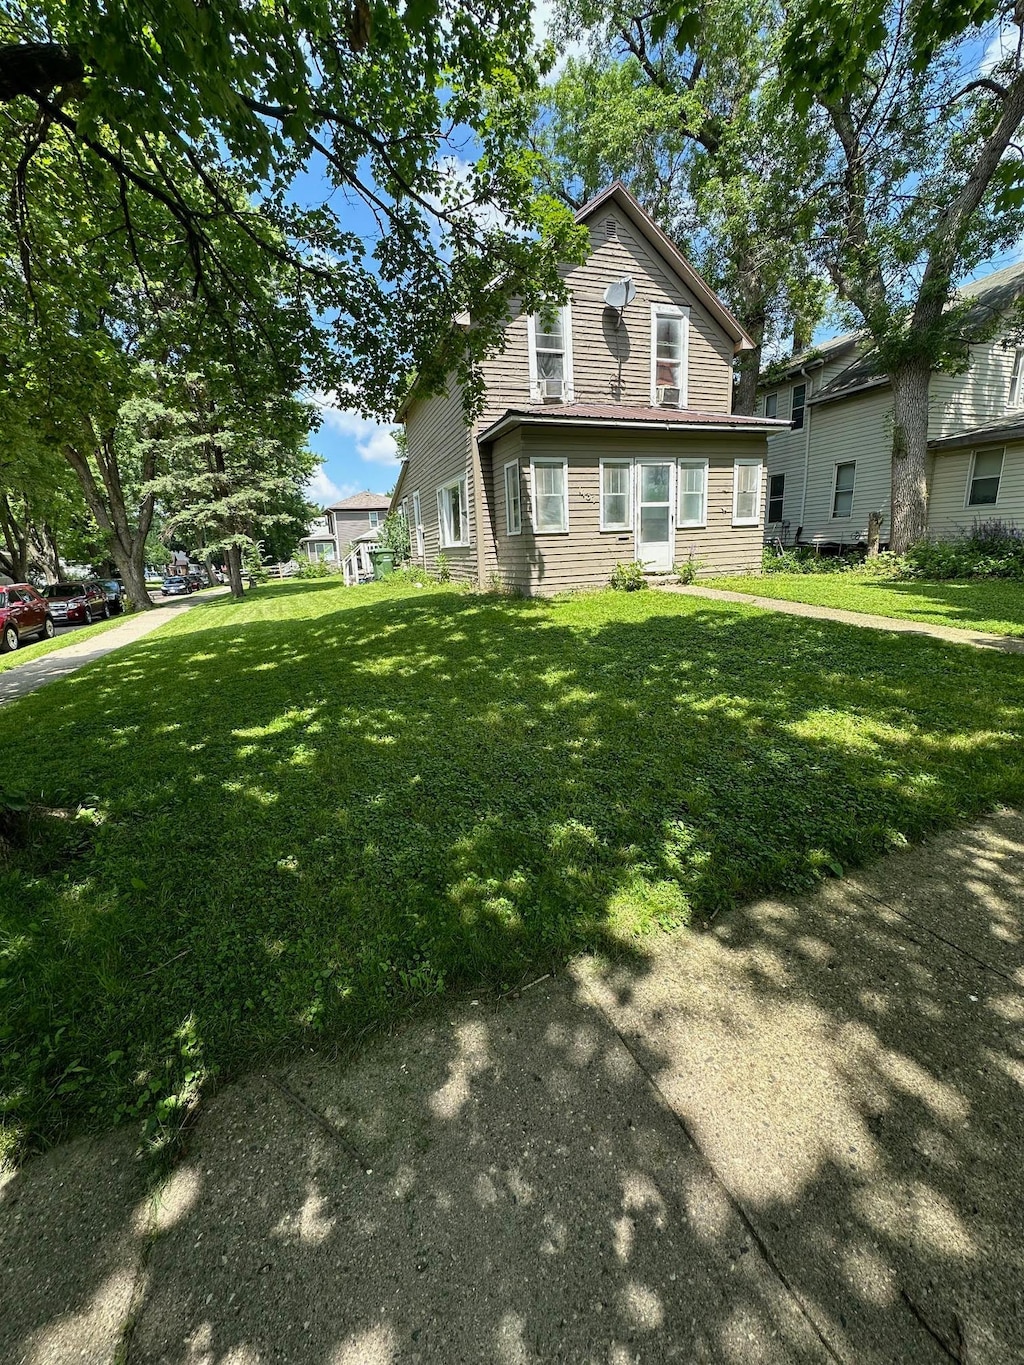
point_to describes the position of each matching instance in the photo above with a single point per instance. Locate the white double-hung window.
(550, 480)
(453, 513)
(513, 499)
(746, 493)
(842, 492)
(417, 522)
(616, 495)
(669, 337)
(986, 471)
(693, 492)
(550, 342)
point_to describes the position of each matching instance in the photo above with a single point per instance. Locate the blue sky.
(359, 453)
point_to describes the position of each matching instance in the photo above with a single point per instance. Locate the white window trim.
(548, 459)
(568, 387)
(627, 525)
(518, 530)
(983, 450)
(774, 394)
(443, 488)
(671, 310)
(833, 514)
(1015, 393)
(736, 466)
(690, 464)
(417, 516)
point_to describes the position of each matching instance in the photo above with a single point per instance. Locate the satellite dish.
(620, 293)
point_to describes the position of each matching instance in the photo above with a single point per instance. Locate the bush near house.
(990, 549)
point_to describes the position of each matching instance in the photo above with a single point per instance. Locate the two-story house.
(331, 535)
(830, 469)
(607, 432)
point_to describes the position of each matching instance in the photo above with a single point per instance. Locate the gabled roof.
(361, 502)
(618, 195)
(812, 358)
(618, 415)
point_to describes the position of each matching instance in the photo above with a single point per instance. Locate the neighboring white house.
(830, 470)
(331, 535)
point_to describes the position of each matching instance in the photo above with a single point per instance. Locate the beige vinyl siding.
(349, 525)
(585, 555)
(957, 402)
(947, 513)
(513, 554)
(613, 365)
(851, 429)
(438, 452)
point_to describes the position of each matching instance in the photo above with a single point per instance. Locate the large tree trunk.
(234, 557)
(106, 503)
(909, 515)
(14, 559)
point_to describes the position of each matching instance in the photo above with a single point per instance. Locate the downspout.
(478, 510)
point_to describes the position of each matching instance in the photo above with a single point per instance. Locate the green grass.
(37, 648)
(287, 818)
(995, 606)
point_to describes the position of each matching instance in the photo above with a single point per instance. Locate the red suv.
(22, 613)
(81, 601)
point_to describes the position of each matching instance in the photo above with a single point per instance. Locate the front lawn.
(286, 818)
(993, 605)
(35, 649)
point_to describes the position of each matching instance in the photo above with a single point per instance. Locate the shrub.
(990, 549)
(443, 568)
(393, 535)
(806, 559)
(689, 569)
(316, 568)
(629, 577)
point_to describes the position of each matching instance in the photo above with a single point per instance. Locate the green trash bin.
(383, 562)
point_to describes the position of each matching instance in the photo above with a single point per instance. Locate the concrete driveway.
(35, 673)
(797, 1137)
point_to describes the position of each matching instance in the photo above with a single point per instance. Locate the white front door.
(655, 513)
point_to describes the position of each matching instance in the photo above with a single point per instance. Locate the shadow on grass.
(297, 826)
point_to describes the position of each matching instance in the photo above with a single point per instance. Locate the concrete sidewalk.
(1008, 644)
(35, 673)
(797, 1137)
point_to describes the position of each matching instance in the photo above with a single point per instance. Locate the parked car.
(176, 586)
(83, 602)
(23, 613)
(197, 580)
(114, 589)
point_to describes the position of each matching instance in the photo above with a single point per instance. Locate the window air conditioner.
(668, 396)
(551, 390)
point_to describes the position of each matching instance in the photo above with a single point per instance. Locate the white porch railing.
(357, 565)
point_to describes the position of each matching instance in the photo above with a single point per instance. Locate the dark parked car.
(176, 586)
(114, 589)
(197, 580)
(82, 602)
(23, 613)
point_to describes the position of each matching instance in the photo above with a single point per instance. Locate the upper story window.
(799, 403)
(986, 471)
(374, 518)
(550, 335)
(1015, 398)
(669, 327)
(771, 405)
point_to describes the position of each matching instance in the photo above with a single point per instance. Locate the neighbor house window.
(746, 493)
(417, 522)
(693, 492)
(453, 513)
(550, 495)
(668, 355)
(616, 495)
(986, 471)
(842, 496)
(513, 500)
(776, 493)
(1015, 398)
(799, 403)
(771, 405)
(374, 518)
(551, 356)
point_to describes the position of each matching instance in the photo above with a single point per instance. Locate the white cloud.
(322, 489)
(374, 441)
(1002, 44)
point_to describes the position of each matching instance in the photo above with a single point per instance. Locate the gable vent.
(611, 230)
